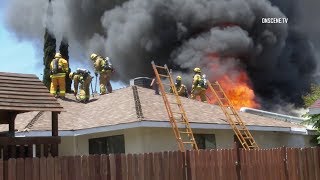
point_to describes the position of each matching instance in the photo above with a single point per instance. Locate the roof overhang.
(161, 124)
(314, 111)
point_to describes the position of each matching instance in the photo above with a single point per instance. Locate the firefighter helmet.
(197, 70)
(179, 78)
(57, 55)
(71, 75)
(93, 56)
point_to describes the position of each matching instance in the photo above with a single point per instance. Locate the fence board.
(92, 172)
(64, 168)
(136, 166)
(316, 163)
(85, 167)
(77, 167)
(118, 167)
(157, 166)
(71, 168)
(50, 168)
(104, 168)
(1, 169)
(28, 169)
(130, 167)
(12, 172)
(57, 168)
(35, 168)
(124, 167)
(165, 165)
(147, 166)
(43, 168)
(172, 166)
(112, 167)
(20, 169)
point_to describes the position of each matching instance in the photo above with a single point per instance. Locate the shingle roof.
(25, 92)
(120, 107)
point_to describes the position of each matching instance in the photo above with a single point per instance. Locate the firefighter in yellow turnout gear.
(181, 88)
(58, 67)
(198, 86)
(83, 77)
(105, 69)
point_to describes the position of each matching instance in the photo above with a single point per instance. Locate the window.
(205, 141)
(107, 145)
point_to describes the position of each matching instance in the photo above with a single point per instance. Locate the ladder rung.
(188, 142)
(175, 103)
(177, 112)
(162, 75)
(160, 67)
(183, 132)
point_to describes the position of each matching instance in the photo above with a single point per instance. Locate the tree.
(49, 51)
(65, 54)
(313, 119)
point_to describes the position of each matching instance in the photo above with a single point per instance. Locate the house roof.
(129, 105)
(315, 107)
(24, 93)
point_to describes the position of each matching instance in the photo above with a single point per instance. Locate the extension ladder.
(177, 115)
(233, 118)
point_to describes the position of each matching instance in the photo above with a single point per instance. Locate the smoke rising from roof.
(279, 59)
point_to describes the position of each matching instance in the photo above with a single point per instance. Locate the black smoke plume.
(280, 59)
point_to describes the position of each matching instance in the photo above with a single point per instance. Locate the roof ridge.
(33, 120)
(137, 102)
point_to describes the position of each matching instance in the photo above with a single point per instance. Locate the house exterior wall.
(142, 140)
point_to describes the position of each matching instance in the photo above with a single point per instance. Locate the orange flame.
(236, 87)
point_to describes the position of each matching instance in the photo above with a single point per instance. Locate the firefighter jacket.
(100, 65)
(196, 81)
(181, 89)
(63, 68)
(80, 79)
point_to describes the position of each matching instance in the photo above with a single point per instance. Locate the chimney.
(141, 81)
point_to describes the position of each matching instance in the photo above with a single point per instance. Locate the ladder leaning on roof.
(184, 136)
(238, 126)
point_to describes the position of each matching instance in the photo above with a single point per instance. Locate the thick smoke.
(279, 58)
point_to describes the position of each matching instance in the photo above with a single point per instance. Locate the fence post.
(236, 149)
(285, 159)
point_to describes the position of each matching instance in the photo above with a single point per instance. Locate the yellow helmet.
(197, 70)
(71, 75)
(58, 55)
(93, 56)
(179, 78)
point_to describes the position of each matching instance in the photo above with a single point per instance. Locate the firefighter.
(198, 86)
(105, 69)
(83, 77)
(58, 67)
(181, 88)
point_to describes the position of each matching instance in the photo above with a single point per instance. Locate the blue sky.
(21, 56)
(14, 53)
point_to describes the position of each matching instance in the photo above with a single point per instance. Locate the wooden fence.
(229, 164)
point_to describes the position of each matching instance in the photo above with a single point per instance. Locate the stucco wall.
(140, 140)
(67, 146)
(279, 139)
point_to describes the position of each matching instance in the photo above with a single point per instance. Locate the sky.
(18, 56)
